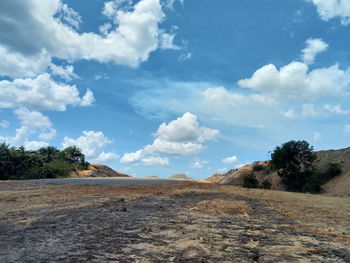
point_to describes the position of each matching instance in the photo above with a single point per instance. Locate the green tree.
(48, 154)
(294, 163)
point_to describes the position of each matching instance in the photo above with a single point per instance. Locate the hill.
(339, 185)
(180, 177)
(98, 170)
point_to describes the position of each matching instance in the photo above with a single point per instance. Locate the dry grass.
(328, 215)
(322, 214)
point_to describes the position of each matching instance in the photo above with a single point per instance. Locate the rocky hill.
(98, 170)
(339, 185)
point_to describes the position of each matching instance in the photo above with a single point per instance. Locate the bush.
(294, 163)
(333, 170)
(313, 185)
(266, 184)
(250, 181)
(258, 167)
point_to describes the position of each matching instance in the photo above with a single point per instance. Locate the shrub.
(258, 167)
(250, 181)
(333, 170)
(313, 185)
(266, 184)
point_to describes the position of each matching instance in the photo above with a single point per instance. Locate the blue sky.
(157, 87)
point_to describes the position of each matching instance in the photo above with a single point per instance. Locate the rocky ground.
(178, 222)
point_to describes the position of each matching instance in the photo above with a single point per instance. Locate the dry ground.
(177, 222)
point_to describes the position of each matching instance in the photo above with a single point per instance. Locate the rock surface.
(98, 170)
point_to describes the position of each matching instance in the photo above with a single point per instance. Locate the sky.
(158, 87)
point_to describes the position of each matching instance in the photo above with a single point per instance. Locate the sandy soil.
(177, 222)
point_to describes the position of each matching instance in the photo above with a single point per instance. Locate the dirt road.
(179, 222)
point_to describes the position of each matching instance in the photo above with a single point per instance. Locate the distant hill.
(98, 170)
(153, 177)
(339, 185)
(180, 177)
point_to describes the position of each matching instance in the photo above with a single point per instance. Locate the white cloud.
(4, 124)
(314, 46)
(185, 129)
(35, 145)
(184, 56)
(41, 92)
(167, 41)
(14, 64)
(295, 81)
(328, 9)
(32, 123)
(69, 15)
(199, 164)
(183, 136)
(66, 73)
(317, 136)
(289, 114)
(231, 160)
(91, 144)
(311, 110)
(134, 37)
(88, 99)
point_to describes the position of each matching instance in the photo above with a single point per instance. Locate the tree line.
(17, 163)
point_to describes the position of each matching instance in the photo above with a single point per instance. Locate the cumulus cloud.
(313, 47)
(183, 136)
(91, 144)
(199, 164)
(295, 81)
(67, 73)
(32, 123)
(231, 160)
(41, 93)
(328, 9)
(134, 36)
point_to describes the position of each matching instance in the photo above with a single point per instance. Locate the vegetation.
(333, 170)
(266, 184)
(294, 162)
(258, 167)
(250, 181)
(48, 162)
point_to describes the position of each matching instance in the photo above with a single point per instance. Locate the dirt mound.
(339, 185)
(180, 177)
(97, 170)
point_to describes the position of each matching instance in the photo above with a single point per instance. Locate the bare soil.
(177, 222)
